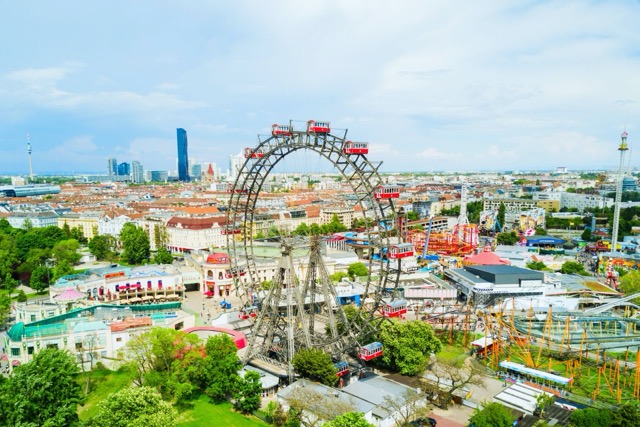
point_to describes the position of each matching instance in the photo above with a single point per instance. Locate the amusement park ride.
(592, 352)
(300, 312)
(460, 241)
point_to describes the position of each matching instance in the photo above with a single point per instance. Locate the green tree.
(62, 268)
(586, 235)
(407, 345)
(163, 257)
(66, 250)
(628, 415)
(273, 231)
(572, 267)
(491, 415)
(590, 417)
(357, 269)
(507, 238)
(453, 375)
(315, 230)
(5, 308)
(316, 365)
(501, 214)
(454, 211)
(160, 235)
(335, 225)
(102, 246)
(162, 358)
(247, 394)
(9, 283)
(412, 216)
(338, 276)
(473, 211)
(301, 230)
(134, 407)
(78, 234)
(40, 279)
(221, 366)
(543, 401)
(536, 265)
(630, 283)
(43, 392)
(9, 257)
(22, 297)
(135, 244)
(541, 231)
(350, 419)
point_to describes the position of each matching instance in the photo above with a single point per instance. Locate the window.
(119, 339)
(29, 350)
(15, 351)
(78, 345)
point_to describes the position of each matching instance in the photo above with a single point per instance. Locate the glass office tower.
(183, 156)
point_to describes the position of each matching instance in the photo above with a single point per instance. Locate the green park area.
(198, 412)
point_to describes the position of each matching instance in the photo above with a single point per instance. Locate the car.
(424, 422)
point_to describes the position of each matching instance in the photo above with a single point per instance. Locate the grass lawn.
(205, 413)
(453, 352)
(103, 383)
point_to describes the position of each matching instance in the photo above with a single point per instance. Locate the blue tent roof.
(543, 240)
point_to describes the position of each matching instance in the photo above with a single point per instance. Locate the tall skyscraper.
(124, 169)
(112, 166)
(137, 172)
(183, 155)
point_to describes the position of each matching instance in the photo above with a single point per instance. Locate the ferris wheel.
(300, 309)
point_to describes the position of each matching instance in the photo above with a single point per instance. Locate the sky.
(431, 85)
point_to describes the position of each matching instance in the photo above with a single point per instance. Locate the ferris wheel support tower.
(623, 148)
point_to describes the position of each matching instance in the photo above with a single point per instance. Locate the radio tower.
(29, 152)
(616, 212)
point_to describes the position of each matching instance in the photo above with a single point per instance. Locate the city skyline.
(431, 86)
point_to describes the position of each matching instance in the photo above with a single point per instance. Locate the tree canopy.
(349, 419)
(247, 394)
(507, 238)
(590, 417)
(357, 269)
(221, 366)
(407, 345)
(163, 257)
(315, 364)
(135, 244)
(134, 407)
(573, 267)
(43, 392)
(492, 415)
(102, 246)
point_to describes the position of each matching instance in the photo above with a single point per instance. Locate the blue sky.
(432, 85)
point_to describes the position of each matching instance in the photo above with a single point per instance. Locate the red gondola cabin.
(387, 192)
(401, 250)
(318, 127)
(231, 229)
(395, 308)
(248, 312)
(237, 190)
(370, 351)
(277, 130)
(351, 147)
(342, 368)
(254, 153)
